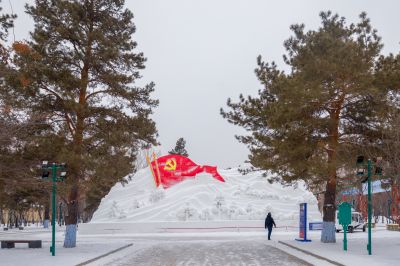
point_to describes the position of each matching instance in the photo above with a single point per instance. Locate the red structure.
(362, 205)
(396, 202)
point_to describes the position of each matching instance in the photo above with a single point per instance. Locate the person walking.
(269, 222)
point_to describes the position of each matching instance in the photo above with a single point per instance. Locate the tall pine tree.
(180, 148)
(79, 72)
(304, 122)
(6, 22)
(388, 77)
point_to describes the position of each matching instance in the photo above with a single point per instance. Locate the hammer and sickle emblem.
(170, 165)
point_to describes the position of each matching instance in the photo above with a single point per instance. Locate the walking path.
(203, 252)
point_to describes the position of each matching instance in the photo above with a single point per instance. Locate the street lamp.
(360, 166)
(361, 172)
(46, 168)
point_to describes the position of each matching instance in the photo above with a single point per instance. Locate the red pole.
(396, 201)
(362, 205)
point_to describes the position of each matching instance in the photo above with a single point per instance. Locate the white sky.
(201, 52)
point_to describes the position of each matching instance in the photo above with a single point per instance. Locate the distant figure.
(269, 221)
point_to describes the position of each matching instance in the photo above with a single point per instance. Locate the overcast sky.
(201, 52)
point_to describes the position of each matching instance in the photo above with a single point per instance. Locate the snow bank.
(241, 197)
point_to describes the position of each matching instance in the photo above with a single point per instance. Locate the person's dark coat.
(269, 221)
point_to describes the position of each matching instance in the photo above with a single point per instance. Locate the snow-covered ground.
(240, 198)
(249, 248)
(385, 248)
(88, 248)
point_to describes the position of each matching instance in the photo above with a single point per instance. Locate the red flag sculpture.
(171, 169)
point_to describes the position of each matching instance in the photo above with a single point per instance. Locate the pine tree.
(388, 146)
(6, 22)
(12, 162)
(308, 124)
(79, 72)
(180, 148)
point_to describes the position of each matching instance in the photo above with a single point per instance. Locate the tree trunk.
(40, 213)
(328, 234)
(16, 219)
(46, 216)
(72, 206)
(71, 219)
(329, 211)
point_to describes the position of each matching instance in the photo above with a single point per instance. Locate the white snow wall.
(241, 197)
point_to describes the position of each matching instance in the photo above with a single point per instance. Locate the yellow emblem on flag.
(170, 165)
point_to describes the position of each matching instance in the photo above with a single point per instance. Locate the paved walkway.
(184, 253)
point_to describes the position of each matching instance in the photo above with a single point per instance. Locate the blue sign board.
(303, 223)
(315, 226)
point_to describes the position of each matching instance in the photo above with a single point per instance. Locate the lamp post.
(53, 168)
(389, 205)
(361, 172)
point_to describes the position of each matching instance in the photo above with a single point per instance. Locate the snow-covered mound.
(241, 197)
